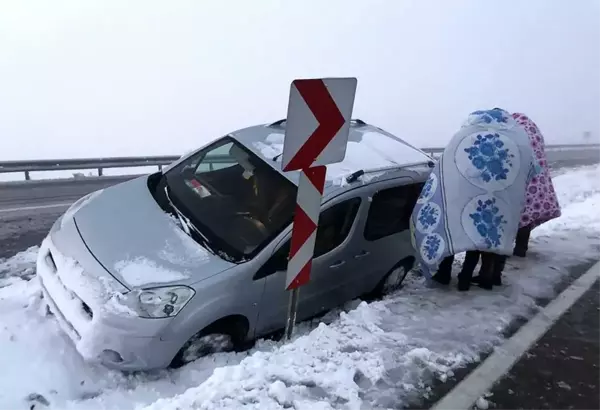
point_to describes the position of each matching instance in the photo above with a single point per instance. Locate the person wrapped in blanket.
(541, 202)
(473, 199)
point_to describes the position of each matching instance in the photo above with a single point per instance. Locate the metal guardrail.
(159, 161)
(83, 163)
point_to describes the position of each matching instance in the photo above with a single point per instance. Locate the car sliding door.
(386, 233)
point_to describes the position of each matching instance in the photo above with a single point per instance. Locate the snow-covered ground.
(377, 355)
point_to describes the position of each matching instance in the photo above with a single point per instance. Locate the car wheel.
(394, 279)
(203, 345)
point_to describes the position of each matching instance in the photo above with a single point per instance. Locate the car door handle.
(362, 254)
(337, 264)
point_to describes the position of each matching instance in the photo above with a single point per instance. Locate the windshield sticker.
(198, 188)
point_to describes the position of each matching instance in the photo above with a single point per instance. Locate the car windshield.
(232, 197)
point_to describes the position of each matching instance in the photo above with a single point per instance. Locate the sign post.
(316, 134)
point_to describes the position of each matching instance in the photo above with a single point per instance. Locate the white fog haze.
(119, 78)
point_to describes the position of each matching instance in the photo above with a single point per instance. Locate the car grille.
(73, 313)
(87, 309)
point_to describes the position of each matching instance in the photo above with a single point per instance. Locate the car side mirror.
(277, 263)
(281, 263)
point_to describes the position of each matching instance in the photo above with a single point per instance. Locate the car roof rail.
(279, 123)
(353, 177)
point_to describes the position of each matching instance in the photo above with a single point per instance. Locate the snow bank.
(22, 265)
(379, 355)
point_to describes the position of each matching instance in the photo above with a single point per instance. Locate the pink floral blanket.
(541, 203)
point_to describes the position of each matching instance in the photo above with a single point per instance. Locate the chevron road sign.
(317, 129)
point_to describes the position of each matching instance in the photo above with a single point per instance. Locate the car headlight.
(163, 302)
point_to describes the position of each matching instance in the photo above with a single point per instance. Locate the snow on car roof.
(368, 148)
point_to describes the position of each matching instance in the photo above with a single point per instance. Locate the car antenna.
(276, 157)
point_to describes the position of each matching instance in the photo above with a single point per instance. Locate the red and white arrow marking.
(306, 220)
(329, 118)
(317, 128)
(318, 122)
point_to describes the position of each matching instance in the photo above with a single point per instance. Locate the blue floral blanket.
(475, 194)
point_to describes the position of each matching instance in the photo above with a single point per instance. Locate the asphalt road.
(561, 370)
(28, 209)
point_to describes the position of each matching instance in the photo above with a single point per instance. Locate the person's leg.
(444, 273)
(486, 271)
(466, 273)
(498, 268)
(522, 241)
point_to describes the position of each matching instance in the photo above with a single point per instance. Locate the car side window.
(334, 226)
(216, 159)
(390, 211)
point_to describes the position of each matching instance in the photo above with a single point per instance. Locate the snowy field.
(378, 355)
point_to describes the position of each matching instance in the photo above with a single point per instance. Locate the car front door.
(331, 274)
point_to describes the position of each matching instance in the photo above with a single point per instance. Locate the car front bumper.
(89, 310)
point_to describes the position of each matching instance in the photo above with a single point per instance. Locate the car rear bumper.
(87, 309)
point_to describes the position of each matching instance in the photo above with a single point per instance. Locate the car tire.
(203, 344)
(393, 280)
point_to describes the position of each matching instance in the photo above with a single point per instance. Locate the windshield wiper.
(187, 225)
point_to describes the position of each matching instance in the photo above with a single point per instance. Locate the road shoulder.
(555, 357)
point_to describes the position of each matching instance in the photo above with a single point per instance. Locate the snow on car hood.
(138, 243)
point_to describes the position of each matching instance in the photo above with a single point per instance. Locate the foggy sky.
(103, 77)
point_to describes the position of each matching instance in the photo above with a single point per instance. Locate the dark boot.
(444, 273)
(486, 272)
(498, 268)
(463, 285)
(466, 273)
(522, 241)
